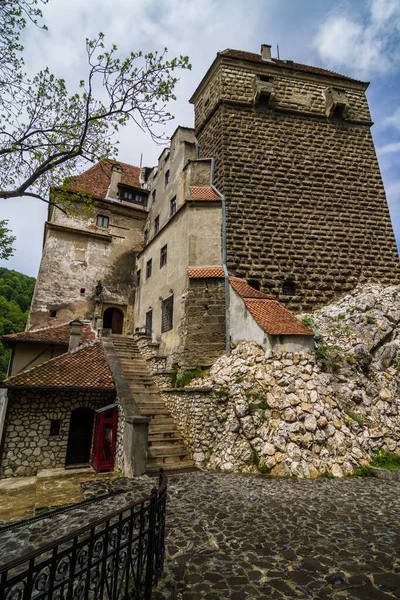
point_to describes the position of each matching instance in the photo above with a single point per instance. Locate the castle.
(272, 203)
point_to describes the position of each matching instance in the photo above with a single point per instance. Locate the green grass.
(354, 416)
(181, 379)
(239, 379)
(386, 460)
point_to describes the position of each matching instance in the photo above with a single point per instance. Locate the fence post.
(151, 543)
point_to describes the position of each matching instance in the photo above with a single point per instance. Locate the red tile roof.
(50, 335)
(97, 179)
(240, 54)
(205, 272)
(274, 318)
(85, 367)
(203, 192)
(245, 290)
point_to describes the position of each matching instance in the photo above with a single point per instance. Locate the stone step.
(183, 466)
(169, 461)
(158, 428)
(171, 438)
(162, 459)
(165, 450)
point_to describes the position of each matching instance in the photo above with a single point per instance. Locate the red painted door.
(104, 438)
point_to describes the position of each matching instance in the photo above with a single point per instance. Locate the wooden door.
(117, 321)
(80, 436)
(105, 438)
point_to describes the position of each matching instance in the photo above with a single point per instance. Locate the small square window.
(166, 177)
(102, 221)
(167, 314)
(148, 268)
(289, 288)
(156, 225)
(55, 426)
(82, 291)
(52, 314)
(172, 207)
(138, 274)
(163, 256)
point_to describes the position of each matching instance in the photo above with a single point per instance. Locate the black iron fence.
(118, 557)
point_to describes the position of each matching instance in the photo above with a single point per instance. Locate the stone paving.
(243, 537)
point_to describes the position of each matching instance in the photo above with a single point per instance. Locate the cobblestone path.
(243, 537)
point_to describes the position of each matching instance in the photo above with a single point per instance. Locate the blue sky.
(357, 38)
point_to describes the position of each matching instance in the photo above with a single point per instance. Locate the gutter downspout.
(226, 275)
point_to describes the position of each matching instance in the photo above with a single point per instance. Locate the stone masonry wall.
(28, 446)
(203, 327)
(302, 414)
(304, 194)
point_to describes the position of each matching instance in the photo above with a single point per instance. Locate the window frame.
(149, 268)
(163, 256)
(102, 217)
(138, 277)
(172, 207)
(166, 177)
(156, 224)
(167, 318)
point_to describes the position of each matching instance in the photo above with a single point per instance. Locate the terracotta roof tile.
(274, 318)
(245, 290)
(85, 367)
(240, 54)
(203, 192)
(97, 179)
(204, 272)
(50, 335)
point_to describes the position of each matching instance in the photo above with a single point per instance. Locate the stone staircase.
(166, 448)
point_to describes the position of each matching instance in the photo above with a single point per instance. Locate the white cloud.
(362, 43)
(394, 119)
(389, 148)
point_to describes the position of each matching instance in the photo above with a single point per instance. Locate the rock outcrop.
(304, 414)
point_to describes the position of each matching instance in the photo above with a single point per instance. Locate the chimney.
(75, 335)
(116, 174)
(266, 52)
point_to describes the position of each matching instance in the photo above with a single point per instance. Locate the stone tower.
(307, 217)
(81, 249)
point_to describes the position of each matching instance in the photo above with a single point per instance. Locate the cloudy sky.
(360, 38)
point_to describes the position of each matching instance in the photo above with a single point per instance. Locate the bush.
(386, 460)
(183, 378)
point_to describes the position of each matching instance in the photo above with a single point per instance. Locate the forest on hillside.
(16, 292)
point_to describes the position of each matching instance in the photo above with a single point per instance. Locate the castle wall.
(76, 254)
(304, 194)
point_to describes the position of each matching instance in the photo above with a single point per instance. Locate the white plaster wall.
(244, 328)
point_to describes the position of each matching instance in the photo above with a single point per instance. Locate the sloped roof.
(204, 272)
(245, 290)
(251, 56)
(86, 368)
(97, 179)
(50, 335)
(274, 318)
(203, 192)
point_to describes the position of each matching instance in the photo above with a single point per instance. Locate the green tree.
(6, 241)
(16, 292)
(48, 133)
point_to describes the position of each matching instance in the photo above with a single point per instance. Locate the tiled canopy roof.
(274, 318)
(204, 272)
(97, 179)
(245, 290)
(240, 54)
(50, 335)
(85, 368)
(203, 192)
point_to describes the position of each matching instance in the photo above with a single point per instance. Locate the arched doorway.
(113, 319)
(80, 436)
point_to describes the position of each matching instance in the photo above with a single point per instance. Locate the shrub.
(183, 378)
(386, 460)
